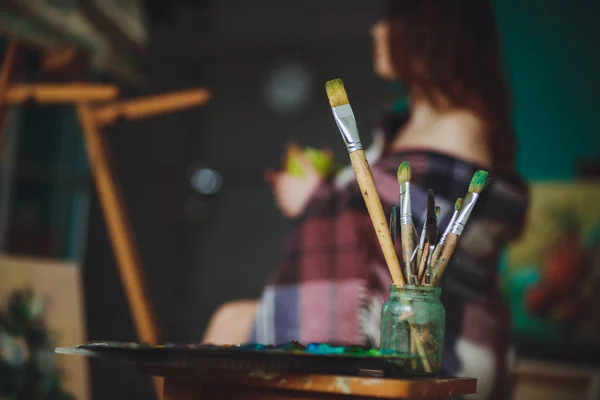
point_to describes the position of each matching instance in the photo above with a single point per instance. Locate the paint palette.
(313, 358)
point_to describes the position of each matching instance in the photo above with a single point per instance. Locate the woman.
(332, 280)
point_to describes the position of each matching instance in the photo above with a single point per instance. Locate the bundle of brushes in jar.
(425, 263)
(431, 256)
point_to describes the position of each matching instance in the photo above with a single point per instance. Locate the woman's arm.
(293, 193)
(231, 323)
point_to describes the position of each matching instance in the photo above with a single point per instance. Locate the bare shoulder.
(464, 135)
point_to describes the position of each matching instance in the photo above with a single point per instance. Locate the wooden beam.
(6, 75)
(61, 93)
(151, 105)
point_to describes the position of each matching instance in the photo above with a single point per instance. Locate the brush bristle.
(458, 204)
(404, 172)
(478, 182)
(336, 93)
(438, 211)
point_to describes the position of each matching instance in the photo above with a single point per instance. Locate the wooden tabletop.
(332, 384)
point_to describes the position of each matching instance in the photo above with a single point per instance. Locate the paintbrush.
(478, 183)
(414, 259)
(435, 233)
(431, 240)
(393, 223)
(422, 264)
(344, 118)
(423, 261)
(438, 247)
(430, 231)
(406, 222)
(417, 256)
(418, 252)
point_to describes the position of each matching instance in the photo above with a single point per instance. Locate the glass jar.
(412, 324)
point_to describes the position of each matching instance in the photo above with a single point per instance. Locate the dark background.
(200, 251)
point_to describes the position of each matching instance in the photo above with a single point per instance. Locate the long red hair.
(456, 47)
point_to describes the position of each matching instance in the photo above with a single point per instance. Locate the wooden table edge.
(332, 384)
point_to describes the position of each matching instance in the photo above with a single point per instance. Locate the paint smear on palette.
(319, 349)
(291, 347)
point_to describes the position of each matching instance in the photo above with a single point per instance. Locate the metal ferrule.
(429, 266)
(414, 255)
(448, 227)
(405, 205)
(344, 118)
(422, 237)
(465, 213)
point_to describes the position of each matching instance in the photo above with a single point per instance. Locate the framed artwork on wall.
(552, 274)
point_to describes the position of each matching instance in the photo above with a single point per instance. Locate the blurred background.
(202, 216)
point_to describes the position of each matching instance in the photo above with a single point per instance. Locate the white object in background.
(288, 87)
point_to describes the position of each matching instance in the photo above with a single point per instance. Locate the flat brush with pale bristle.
(344, 118)
(478, 183)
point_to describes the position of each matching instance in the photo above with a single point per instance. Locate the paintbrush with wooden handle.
(438, 247)
(478, 183)
(344, 117)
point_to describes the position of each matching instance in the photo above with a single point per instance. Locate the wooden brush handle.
(61, 93)
(445, 256)
(408, 246)
(423, 263)
(436, 253)
(414, 331)
(371, 197)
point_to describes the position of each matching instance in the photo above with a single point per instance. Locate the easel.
(93, 118)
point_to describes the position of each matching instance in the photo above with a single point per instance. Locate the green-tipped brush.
(439, 246)
(478, 183)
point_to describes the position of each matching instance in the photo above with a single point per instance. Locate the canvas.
(58, 285)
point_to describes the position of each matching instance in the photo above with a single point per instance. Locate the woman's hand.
(292, 193)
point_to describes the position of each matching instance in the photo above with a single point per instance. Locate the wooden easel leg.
(6, 74)
(119, 229)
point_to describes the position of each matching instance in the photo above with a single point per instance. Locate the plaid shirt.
(332, 280)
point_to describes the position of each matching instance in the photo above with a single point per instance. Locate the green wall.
(553, 65)
(553, 62)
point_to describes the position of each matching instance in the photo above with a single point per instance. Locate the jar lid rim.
(421, 288)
